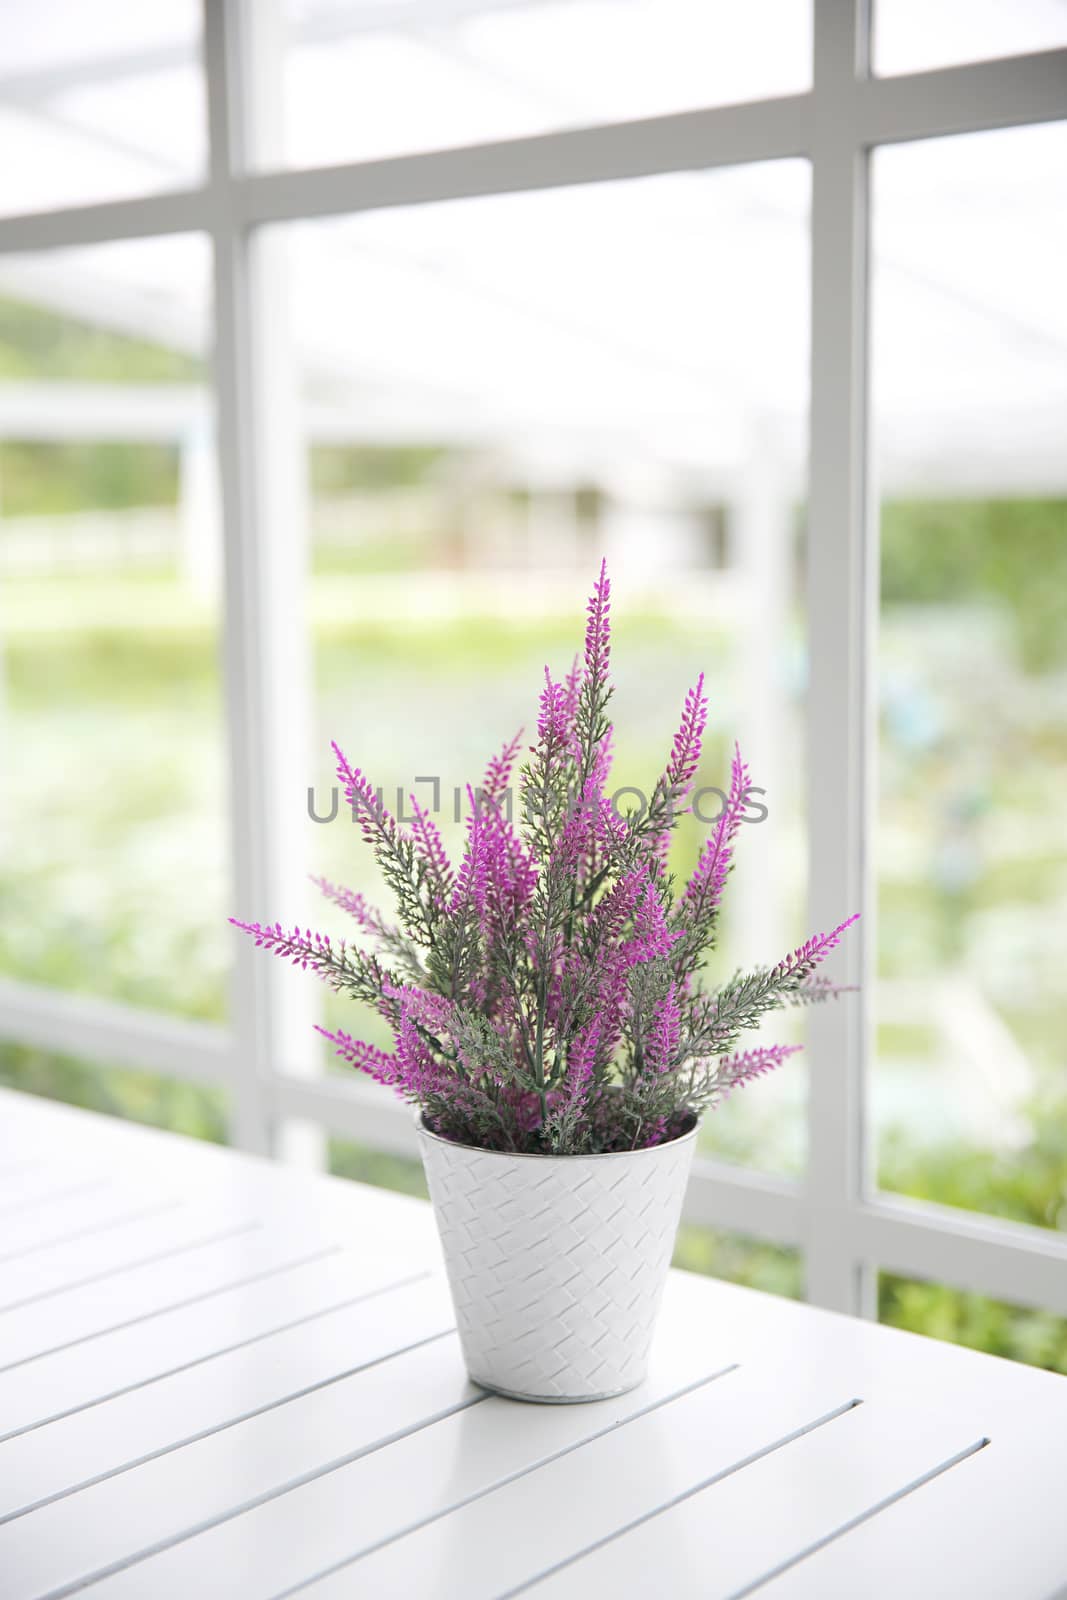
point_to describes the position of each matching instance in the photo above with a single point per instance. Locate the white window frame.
(844, 1228)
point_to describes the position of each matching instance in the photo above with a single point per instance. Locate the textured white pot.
(556, 1263)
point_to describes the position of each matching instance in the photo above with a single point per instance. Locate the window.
(516, 397)
(99, 102)
(251, 422)
(916, 35)
(970, 415)
(362, 83)
(110, 555)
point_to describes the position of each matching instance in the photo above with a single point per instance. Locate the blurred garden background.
(486, 396)
(114, 861)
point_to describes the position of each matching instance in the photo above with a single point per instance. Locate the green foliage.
(46, 477)
(399, 1173)
(36, 343)
(1012, 553)
(150, 649)
(349, 644)
(54, 479)
(339, 469)
(990, 1325)
(119, 1091)
(739, 1259)
(1029, 1185)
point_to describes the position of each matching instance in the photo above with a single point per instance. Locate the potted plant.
(551, 1029)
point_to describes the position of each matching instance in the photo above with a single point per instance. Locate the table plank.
(102, 1206)
(288, 1291)
(108, 1525)
(353, 1507)
(59, 1383)
(722, 1540)
(45, 1186)
(995, 1531)
(169, 1228)
(108, 1437)
(593, 1490)
(284, 1407)
(98, 1148)
(227, 1252)
(250, 1218)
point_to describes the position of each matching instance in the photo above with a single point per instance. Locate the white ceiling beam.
(990, 94)
(182, 211)
(953, 100)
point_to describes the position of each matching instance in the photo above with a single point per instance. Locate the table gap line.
(861, 1517)
(681, 1497)
(207, 1524)
(132, 1266)
(230, 1422)
(511, 1477)
(93, 1228)
(211, 1355)
(19, 1167)
(53, 1194)
(130, 1322)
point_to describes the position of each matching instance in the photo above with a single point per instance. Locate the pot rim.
(527, 1155)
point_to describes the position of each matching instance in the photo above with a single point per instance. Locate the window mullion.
(265, 645)
(840, 565)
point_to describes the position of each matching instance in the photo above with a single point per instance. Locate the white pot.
(556, 1263)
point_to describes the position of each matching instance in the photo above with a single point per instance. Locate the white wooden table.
(223, 1378)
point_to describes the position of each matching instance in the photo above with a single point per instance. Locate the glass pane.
(112, 862)
(970, 406)
(390, 80)
(498, 392)
(918, 35)
(995, 1326)
(188, 1108)
(740, 1259)
(100, 101)
(380, 1167)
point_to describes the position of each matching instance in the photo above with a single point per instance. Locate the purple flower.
(431, 1011)
(302, 947)
(430, 850)
(473, 877)
(661, 1048)
(652, 937)
(418, 1069)
(581, 1065)
(633, 901)
(807, 956)
(366, 1058)
(341, 966)
(598, 629)
(511, 874)
(498, 772)
(374, 820)
(703, 892)
(555, 717)
(572, 688)
(367, 917)
(685, 752)
(611, 914)
(591, 827)
(736, 1070)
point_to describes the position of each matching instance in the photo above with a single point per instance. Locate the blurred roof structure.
(663, 317)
